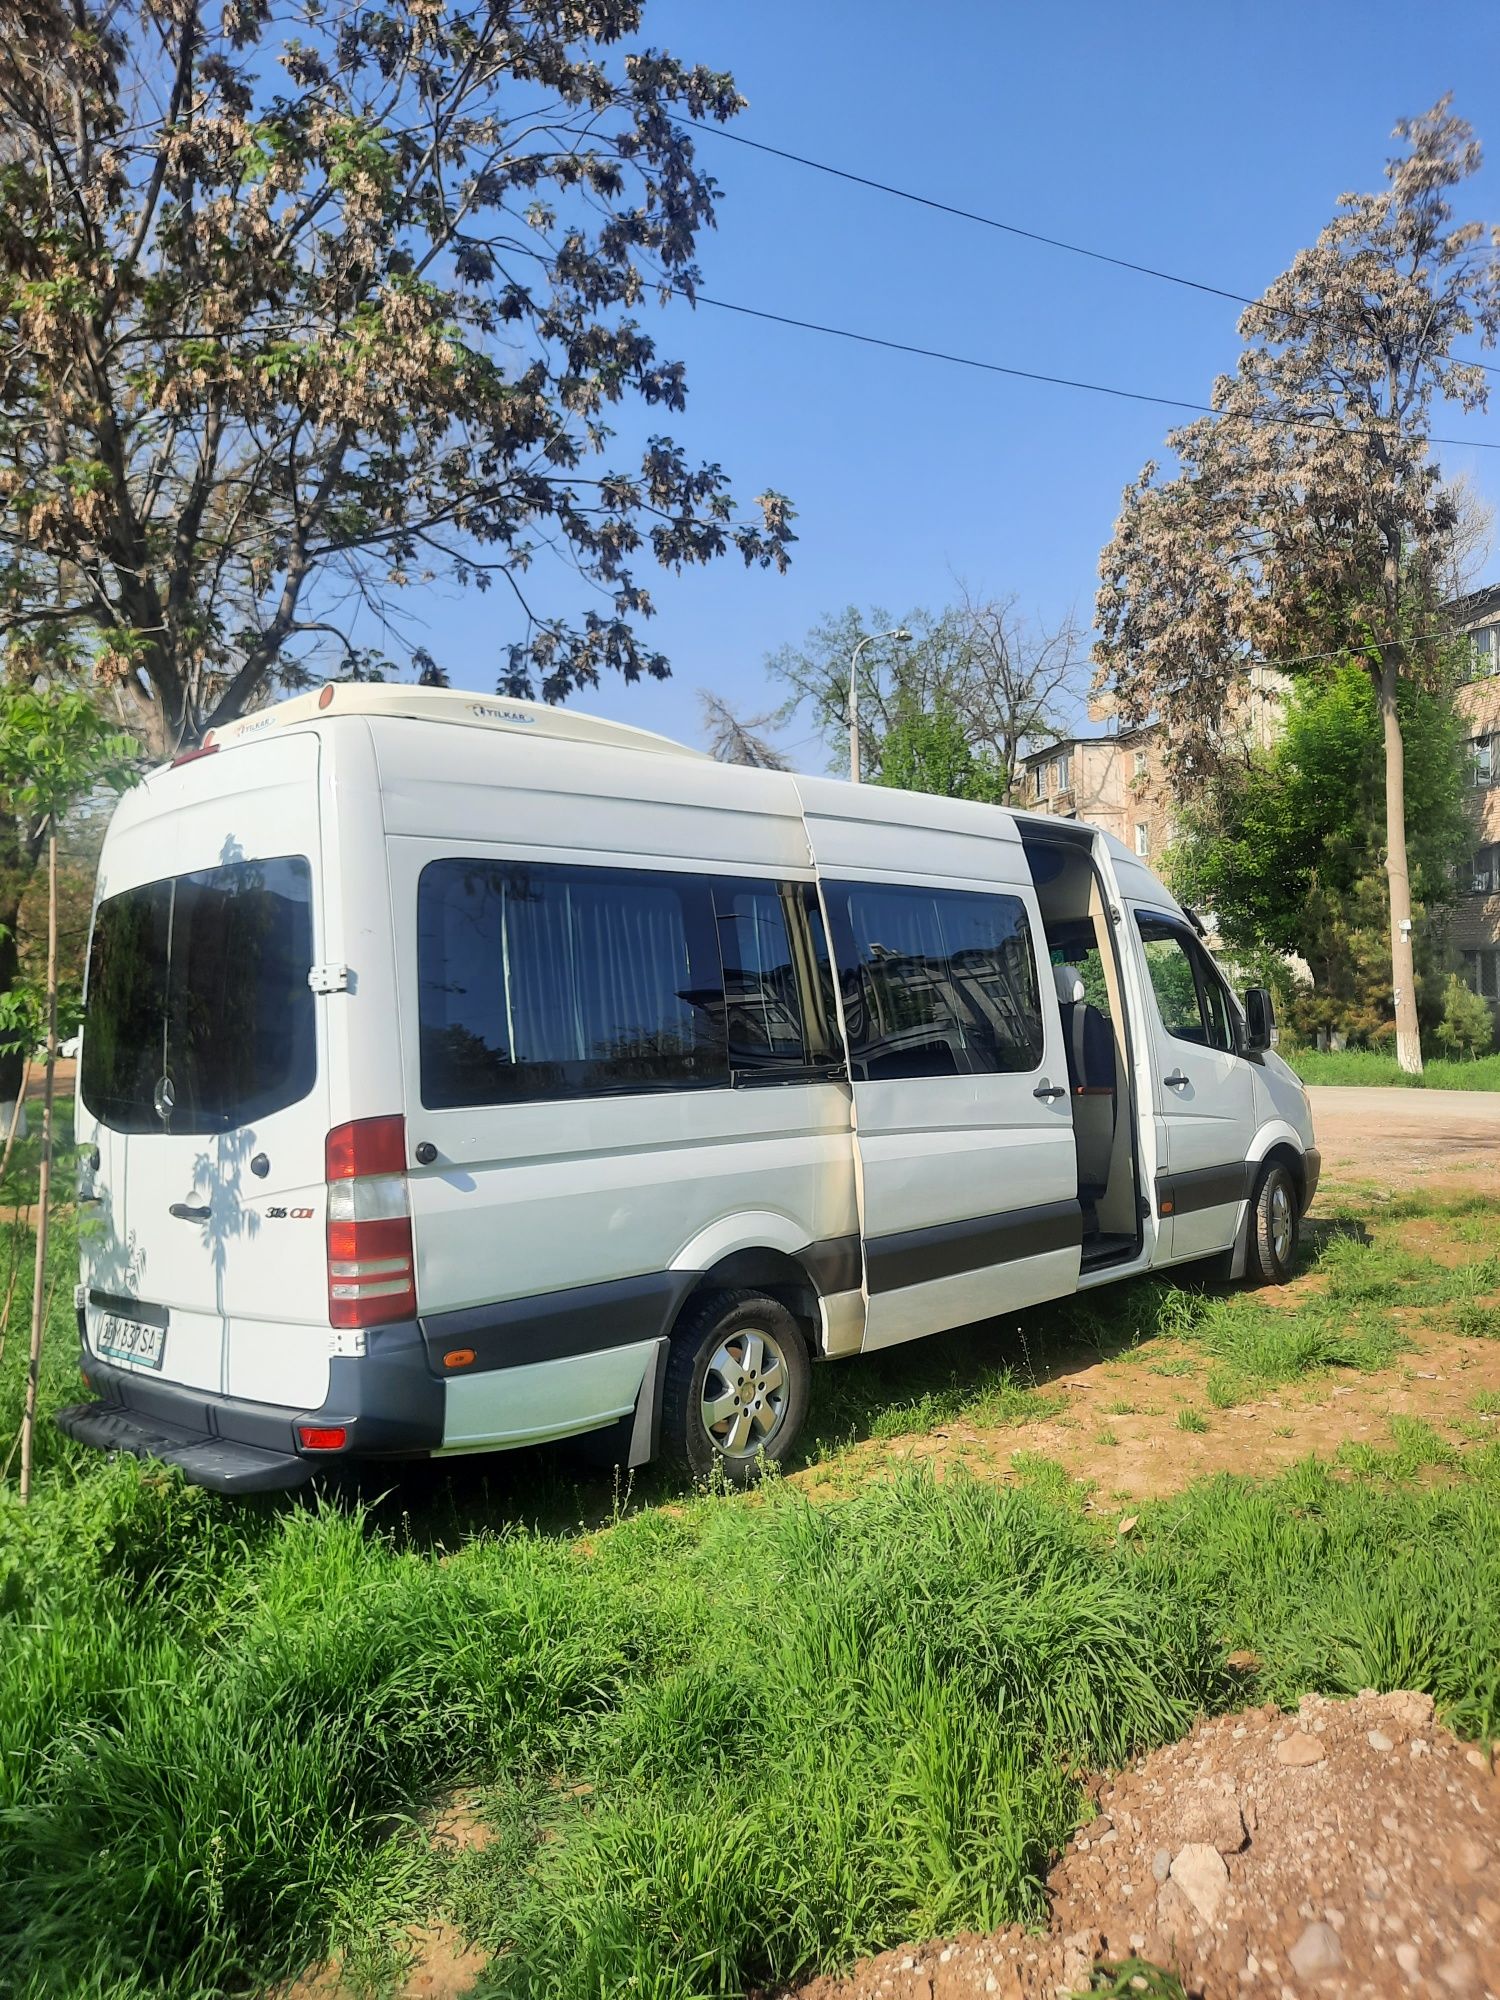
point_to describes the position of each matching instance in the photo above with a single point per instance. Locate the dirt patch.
(440, 1965)
(1122, 1431)
(457, 1825)
(1406, 1138)
(1350, 1850)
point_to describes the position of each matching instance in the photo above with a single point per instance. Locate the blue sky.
(1206, 138)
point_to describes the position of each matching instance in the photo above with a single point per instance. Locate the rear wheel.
(737, 1383)
(1271, 1254)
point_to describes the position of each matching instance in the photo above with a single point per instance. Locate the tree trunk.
(44, 1185)
(1403, 963)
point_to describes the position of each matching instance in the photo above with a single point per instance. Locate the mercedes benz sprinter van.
(460, 1073)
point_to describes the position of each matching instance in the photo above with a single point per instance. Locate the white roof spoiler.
(450, 705)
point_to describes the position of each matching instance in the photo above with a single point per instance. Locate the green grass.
(721, 1741)
(1375, 1066)
(1191, 1420)
(724, 1743)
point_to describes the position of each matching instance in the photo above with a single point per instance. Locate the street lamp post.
(900, 634)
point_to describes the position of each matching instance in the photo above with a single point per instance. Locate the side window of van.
(543, 981)
(1189, 993)
(762, 993)
(937, 982)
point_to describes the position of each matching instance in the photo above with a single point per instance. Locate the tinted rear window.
(200, 1017)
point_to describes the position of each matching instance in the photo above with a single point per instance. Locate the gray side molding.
(645, 1429)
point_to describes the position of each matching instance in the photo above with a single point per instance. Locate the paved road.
(1396, 1137)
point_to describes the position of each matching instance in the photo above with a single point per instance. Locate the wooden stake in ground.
(44, 1178)
(15, 1119)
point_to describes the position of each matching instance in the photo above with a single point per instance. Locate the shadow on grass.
(1321, 1230)
(1007, 1370)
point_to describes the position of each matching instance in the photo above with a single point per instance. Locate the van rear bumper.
(387, 1401)
(218, 1463)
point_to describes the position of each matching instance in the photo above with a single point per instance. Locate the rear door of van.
(201, 1086)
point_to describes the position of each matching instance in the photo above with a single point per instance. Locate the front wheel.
(737, 1383)
(1271, 1255)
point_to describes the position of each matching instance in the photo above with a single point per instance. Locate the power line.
(1006, 228)
(1034, 375)
(967, 214)
(1446, 635)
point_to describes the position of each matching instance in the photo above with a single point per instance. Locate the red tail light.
(315, 1437)
(371, 1273)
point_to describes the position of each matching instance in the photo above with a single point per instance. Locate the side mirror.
(1260, 1021)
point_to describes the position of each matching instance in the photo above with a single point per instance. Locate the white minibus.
(459, 1073)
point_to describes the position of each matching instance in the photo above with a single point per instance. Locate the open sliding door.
(963, 1131)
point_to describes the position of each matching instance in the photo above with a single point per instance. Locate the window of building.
(1485, 874)
(1484, 652)
(937, 982)
(1140, 764)
(1142, 837)
(1062, 772)
(1482, 972)
(542, 981)
(1040, 778)
(1482, 769)
(1190, 994)
(200, 1017)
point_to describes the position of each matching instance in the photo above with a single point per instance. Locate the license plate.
(131, 1341)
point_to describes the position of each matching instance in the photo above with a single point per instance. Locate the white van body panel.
(531, 1199)
(543, 1400)
(972, 1170)
(1204, 1104)
(555, 1239)
(245, 1289)
(746, 1229)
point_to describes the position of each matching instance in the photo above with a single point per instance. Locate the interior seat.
(1090, 1049)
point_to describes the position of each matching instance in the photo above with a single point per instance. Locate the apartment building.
(1474, 934)
(1115, 780)
(1119, 778)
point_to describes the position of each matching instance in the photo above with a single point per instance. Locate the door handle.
(1176, 1080)
(1048, 1090)
(186, 1212)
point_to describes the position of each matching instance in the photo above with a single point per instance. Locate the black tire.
(724, 1351)
(1275, 1227)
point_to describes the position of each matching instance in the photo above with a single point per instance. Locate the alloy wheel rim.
(1281, 1222)
(745, 1391)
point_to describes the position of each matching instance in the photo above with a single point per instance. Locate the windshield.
(199, 1015)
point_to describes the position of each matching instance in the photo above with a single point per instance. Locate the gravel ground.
(1352, 1849)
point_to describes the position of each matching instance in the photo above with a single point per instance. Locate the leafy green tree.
(1285, 847)
(1309, 515)
(1006, 682)
(925, 750)
(1466, 1027)
(55, 750)
(306, 302)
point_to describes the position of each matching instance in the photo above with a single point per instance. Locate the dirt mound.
(1352, 1849)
